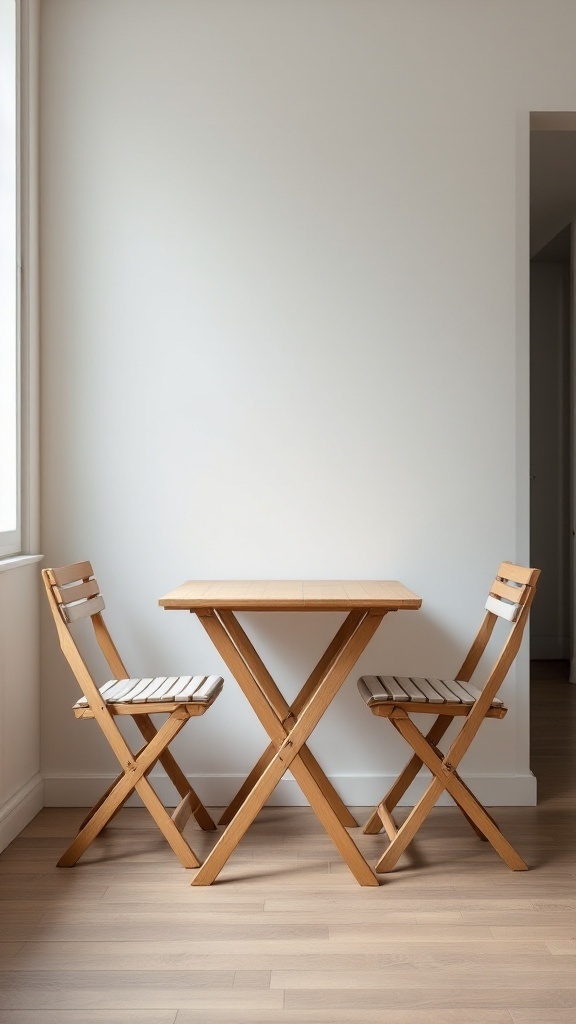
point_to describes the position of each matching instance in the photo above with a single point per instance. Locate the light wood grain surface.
(287, 937)
(291, 595)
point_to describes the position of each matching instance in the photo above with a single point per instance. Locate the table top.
(291, 595)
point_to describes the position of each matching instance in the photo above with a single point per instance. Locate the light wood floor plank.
(306, 958)
(450, 997)
(562, 947)
(431, 979)
(380, 1015)
(133, 990)
(81, 1016)
(551, 1015)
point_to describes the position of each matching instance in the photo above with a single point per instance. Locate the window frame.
(11, 540)
(20, 546)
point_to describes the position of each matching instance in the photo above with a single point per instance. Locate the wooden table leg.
(285, 712)
(289, 745)
(263, 693)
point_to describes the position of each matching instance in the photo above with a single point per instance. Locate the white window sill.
(16, 561)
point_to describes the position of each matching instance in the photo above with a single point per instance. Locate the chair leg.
(97, 820)
(386, 819)
(374, 824)
(402, 836)
(135, 769)
(445, 779)
(470, 821)
(409, 828)
(99, 803)
(176, 775)
(474, 810)
(170, 831)
(111, 805)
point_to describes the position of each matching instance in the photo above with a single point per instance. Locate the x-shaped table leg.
(285, 712)
(287, 731)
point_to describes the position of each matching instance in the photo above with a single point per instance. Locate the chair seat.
(422, 694)
(161, 690)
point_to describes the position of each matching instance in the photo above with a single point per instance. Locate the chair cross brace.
(445, 778)
(133, 779)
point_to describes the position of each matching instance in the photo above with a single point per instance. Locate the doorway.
(552, 404)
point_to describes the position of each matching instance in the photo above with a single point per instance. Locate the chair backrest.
(75, 590)
(513, 587)
(73, 594)
(510, 598)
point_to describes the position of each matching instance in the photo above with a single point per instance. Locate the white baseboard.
(355, 790)
(19, 810)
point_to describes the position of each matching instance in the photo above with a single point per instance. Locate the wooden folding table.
(289, 726)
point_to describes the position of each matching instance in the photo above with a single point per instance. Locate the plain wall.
(21, 788)
(284, 253)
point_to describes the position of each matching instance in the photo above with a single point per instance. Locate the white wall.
(21, 790)
(284, 327)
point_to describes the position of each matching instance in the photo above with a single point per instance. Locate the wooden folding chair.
(397, 698)
(74, 594)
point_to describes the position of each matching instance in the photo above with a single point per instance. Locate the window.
(10, 503)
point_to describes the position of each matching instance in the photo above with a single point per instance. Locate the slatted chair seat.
(74, 595)
(423, 696)
(399, 697)
(155, 695)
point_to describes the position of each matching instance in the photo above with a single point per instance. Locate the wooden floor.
(451, 937)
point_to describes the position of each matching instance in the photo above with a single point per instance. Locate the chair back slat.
(518, 573)
(502, 608)
(67, 574)
(509, 593)
(82, 609)
(76, 592)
